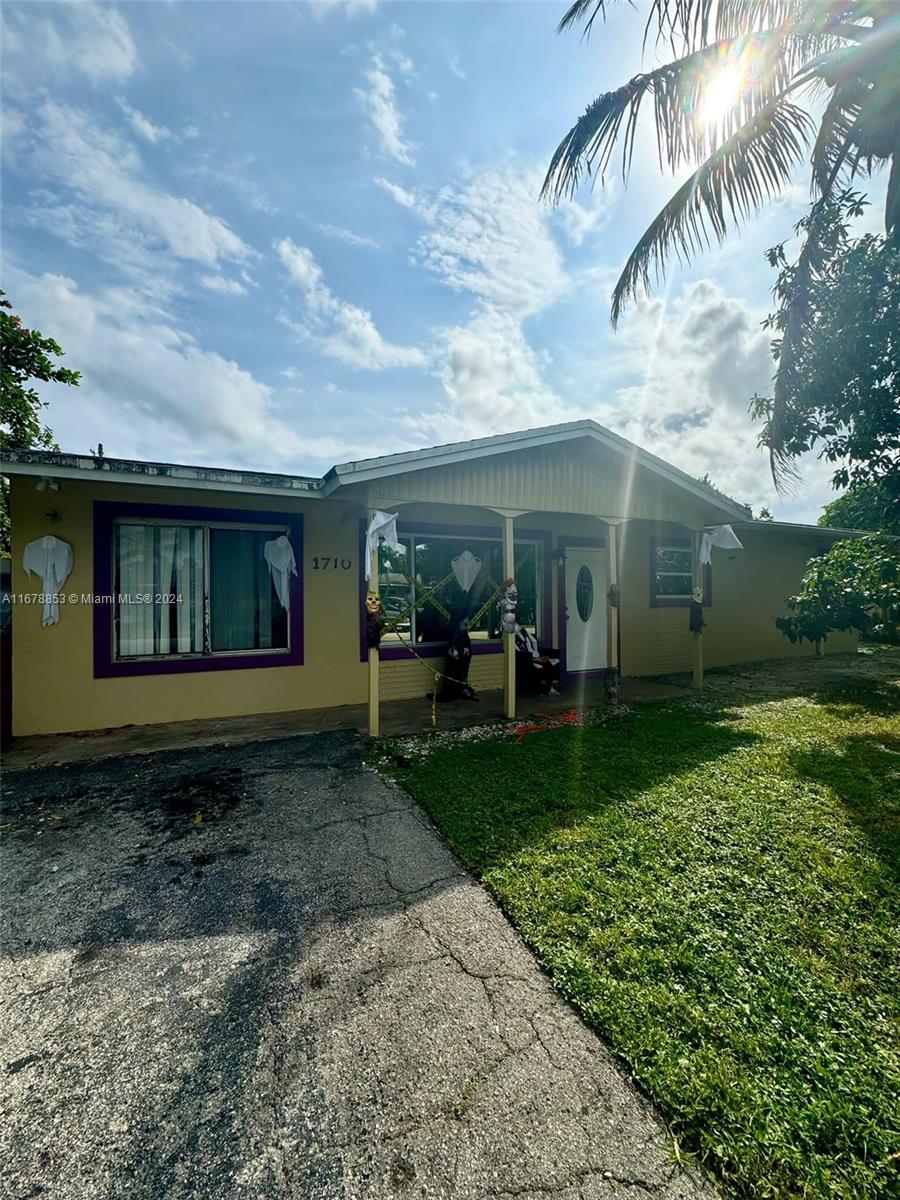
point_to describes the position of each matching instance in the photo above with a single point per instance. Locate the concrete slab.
(257, 971)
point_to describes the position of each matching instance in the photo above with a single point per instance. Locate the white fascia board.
(175, 477)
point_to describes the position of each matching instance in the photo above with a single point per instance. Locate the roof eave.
(41, 463)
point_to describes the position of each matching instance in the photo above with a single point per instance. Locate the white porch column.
(374, 654)
(697, 681)
(509, 639)
(613, 610)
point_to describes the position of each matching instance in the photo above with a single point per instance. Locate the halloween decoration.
(537, 667)
(696, 622)
(51, 560)
(466, 568)
(374, 620)
(382, 528)
(459, 658)
(509, 599)
(279, 554)
(722, 536)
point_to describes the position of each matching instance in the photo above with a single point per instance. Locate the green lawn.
(712, 883)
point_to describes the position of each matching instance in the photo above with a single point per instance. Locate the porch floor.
(398, 718)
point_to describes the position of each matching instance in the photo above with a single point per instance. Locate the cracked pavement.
(258, 971)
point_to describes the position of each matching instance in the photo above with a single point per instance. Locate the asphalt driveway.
(257, 971)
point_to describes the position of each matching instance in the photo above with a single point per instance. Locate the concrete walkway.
(257, 971)
(398, 719)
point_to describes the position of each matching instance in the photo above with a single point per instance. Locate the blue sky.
(281, 235)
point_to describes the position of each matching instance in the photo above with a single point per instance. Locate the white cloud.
(577, 220)
(697, 363)
(147, 388)
(489, 236)
(379, 102)
(347, 235)
(403, 196)
(340, 330)
(61, 144)
(456, 68)
(143, 126)
(42, 41)
(219, 283)
(492, 378)
(350, 8)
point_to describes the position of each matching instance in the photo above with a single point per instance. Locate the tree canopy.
(866, 506)
(840, 391)
(855, 586)
(25, 355)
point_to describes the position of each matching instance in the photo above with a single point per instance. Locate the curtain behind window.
(245, 613)
(158, 561)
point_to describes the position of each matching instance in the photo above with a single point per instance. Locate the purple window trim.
(106, 512)
(438, 649)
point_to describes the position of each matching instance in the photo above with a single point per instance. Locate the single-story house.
(173, 607)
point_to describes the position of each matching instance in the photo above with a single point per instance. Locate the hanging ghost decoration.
(382, 528)
(466, 567)
(722, 536)
(51, 560)
(279, 555)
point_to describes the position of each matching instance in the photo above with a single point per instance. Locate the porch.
(399, 718)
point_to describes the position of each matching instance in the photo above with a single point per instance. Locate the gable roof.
(368, 470)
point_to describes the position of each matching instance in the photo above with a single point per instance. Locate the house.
(603, 539)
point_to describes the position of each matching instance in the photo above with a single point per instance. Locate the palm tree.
(752, 85)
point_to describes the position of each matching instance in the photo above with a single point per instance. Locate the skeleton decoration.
(375, 620)
(509, 599)
(696, 622)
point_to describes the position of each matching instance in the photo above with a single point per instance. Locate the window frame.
(422, 529)
(108, 514)
(658, 600)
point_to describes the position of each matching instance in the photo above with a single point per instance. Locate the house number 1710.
(331, 564)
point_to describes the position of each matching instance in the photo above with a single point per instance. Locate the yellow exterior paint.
(53, 685)
(749, 588)
(566, 490)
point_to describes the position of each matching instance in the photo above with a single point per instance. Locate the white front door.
(586, 617)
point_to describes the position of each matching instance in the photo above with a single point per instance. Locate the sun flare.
(721, 93)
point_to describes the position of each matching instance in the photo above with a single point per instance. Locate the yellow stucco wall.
(53, 685)
(54, 689)
(749, 588)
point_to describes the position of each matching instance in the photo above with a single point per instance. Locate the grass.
(712, 883)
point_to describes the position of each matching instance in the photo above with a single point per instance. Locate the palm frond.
(755, 163)
(768, 60)
(832, 146)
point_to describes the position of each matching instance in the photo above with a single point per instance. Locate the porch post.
(374, 654)
(697, 681)
(612, 609)
(509, 639)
